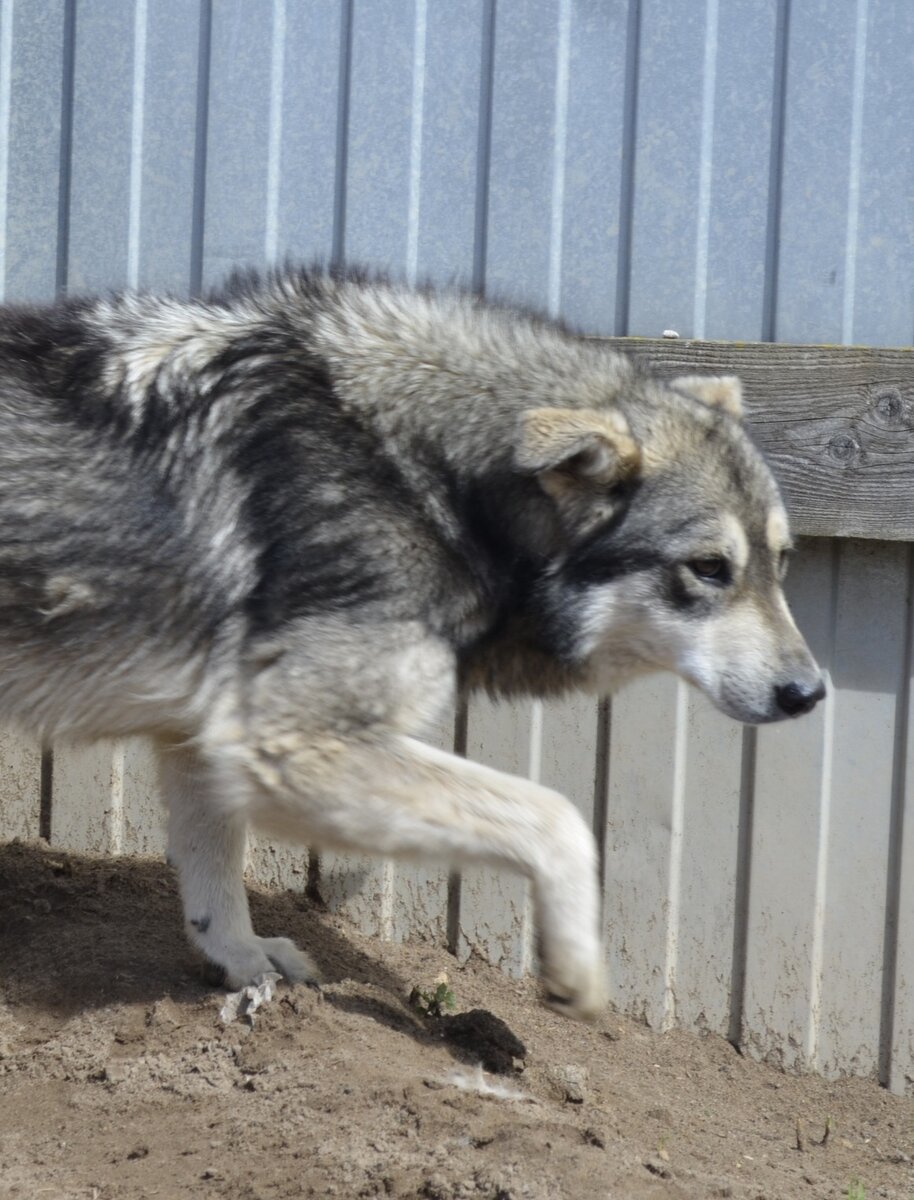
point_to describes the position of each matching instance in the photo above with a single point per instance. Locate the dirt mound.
(118, 1080)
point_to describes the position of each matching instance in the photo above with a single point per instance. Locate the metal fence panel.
(32, 58)
(164, 144)
(813, 232)
(306, 87)
(100, 193)
(445, 132)
(591, 172)
(734, 253)
(667, 165)
(881, 180)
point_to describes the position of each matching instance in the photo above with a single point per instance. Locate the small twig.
(801, 1141)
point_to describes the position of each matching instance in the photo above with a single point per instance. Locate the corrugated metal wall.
(737, 169)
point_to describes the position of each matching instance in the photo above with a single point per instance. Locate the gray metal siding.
(731, 169)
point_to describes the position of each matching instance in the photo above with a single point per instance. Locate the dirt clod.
(592, 1137)
(479, 1036)
(656, 1166)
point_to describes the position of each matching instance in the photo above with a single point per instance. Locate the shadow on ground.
(78, 933)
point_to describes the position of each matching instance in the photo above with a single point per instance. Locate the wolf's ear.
(568, 446)
(720, 391)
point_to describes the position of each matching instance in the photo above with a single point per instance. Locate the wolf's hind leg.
(206, 842)
(388, 794)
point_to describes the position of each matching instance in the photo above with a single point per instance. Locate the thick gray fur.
(278, 528)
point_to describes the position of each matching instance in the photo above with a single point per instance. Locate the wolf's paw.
(237, 963)
(293, 964)
(581, 994)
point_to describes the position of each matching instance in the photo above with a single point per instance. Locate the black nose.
(794, 699)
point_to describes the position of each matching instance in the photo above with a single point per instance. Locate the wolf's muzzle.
(794, 699)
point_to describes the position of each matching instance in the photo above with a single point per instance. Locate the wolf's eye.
(709, 568)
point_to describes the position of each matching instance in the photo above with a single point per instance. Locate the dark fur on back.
(313, 443)
(127, 486)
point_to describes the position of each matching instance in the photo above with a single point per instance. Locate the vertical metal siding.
(33, 37)
(734, 170)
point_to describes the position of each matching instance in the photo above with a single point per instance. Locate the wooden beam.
(836, 423)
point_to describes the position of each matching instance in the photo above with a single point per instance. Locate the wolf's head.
(675, 545)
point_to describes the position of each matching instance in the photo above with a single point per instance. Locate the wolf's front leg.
(206, 842)
(392, 795)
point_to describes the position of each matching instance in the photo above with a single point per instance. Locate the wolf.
(280, 528)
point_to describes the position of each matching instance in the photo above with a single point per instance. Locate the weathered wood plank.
(553, 743)
(106, 798)
(868, 664)
(822, 861)
(673, 811)
(20, 785)
(782, 998)
(835, 422)
(275, 863)
(569, 743)
(900, 1074)
(143, 813)
(420, 889)
(385, 898)
(360, 887)
(88, 799)
(494, 909)
(703, 889)
(644, 846)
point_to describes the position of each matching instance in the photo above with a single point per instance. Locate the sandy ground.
(118, 1079)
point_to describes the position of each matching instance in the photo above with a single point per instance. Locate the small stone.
(42, 906)
(138, 1152)
(567, 1083)
(165, 1014)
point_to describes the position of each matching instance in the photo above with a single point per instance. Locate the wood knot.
(845, 450)
(888, 407)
